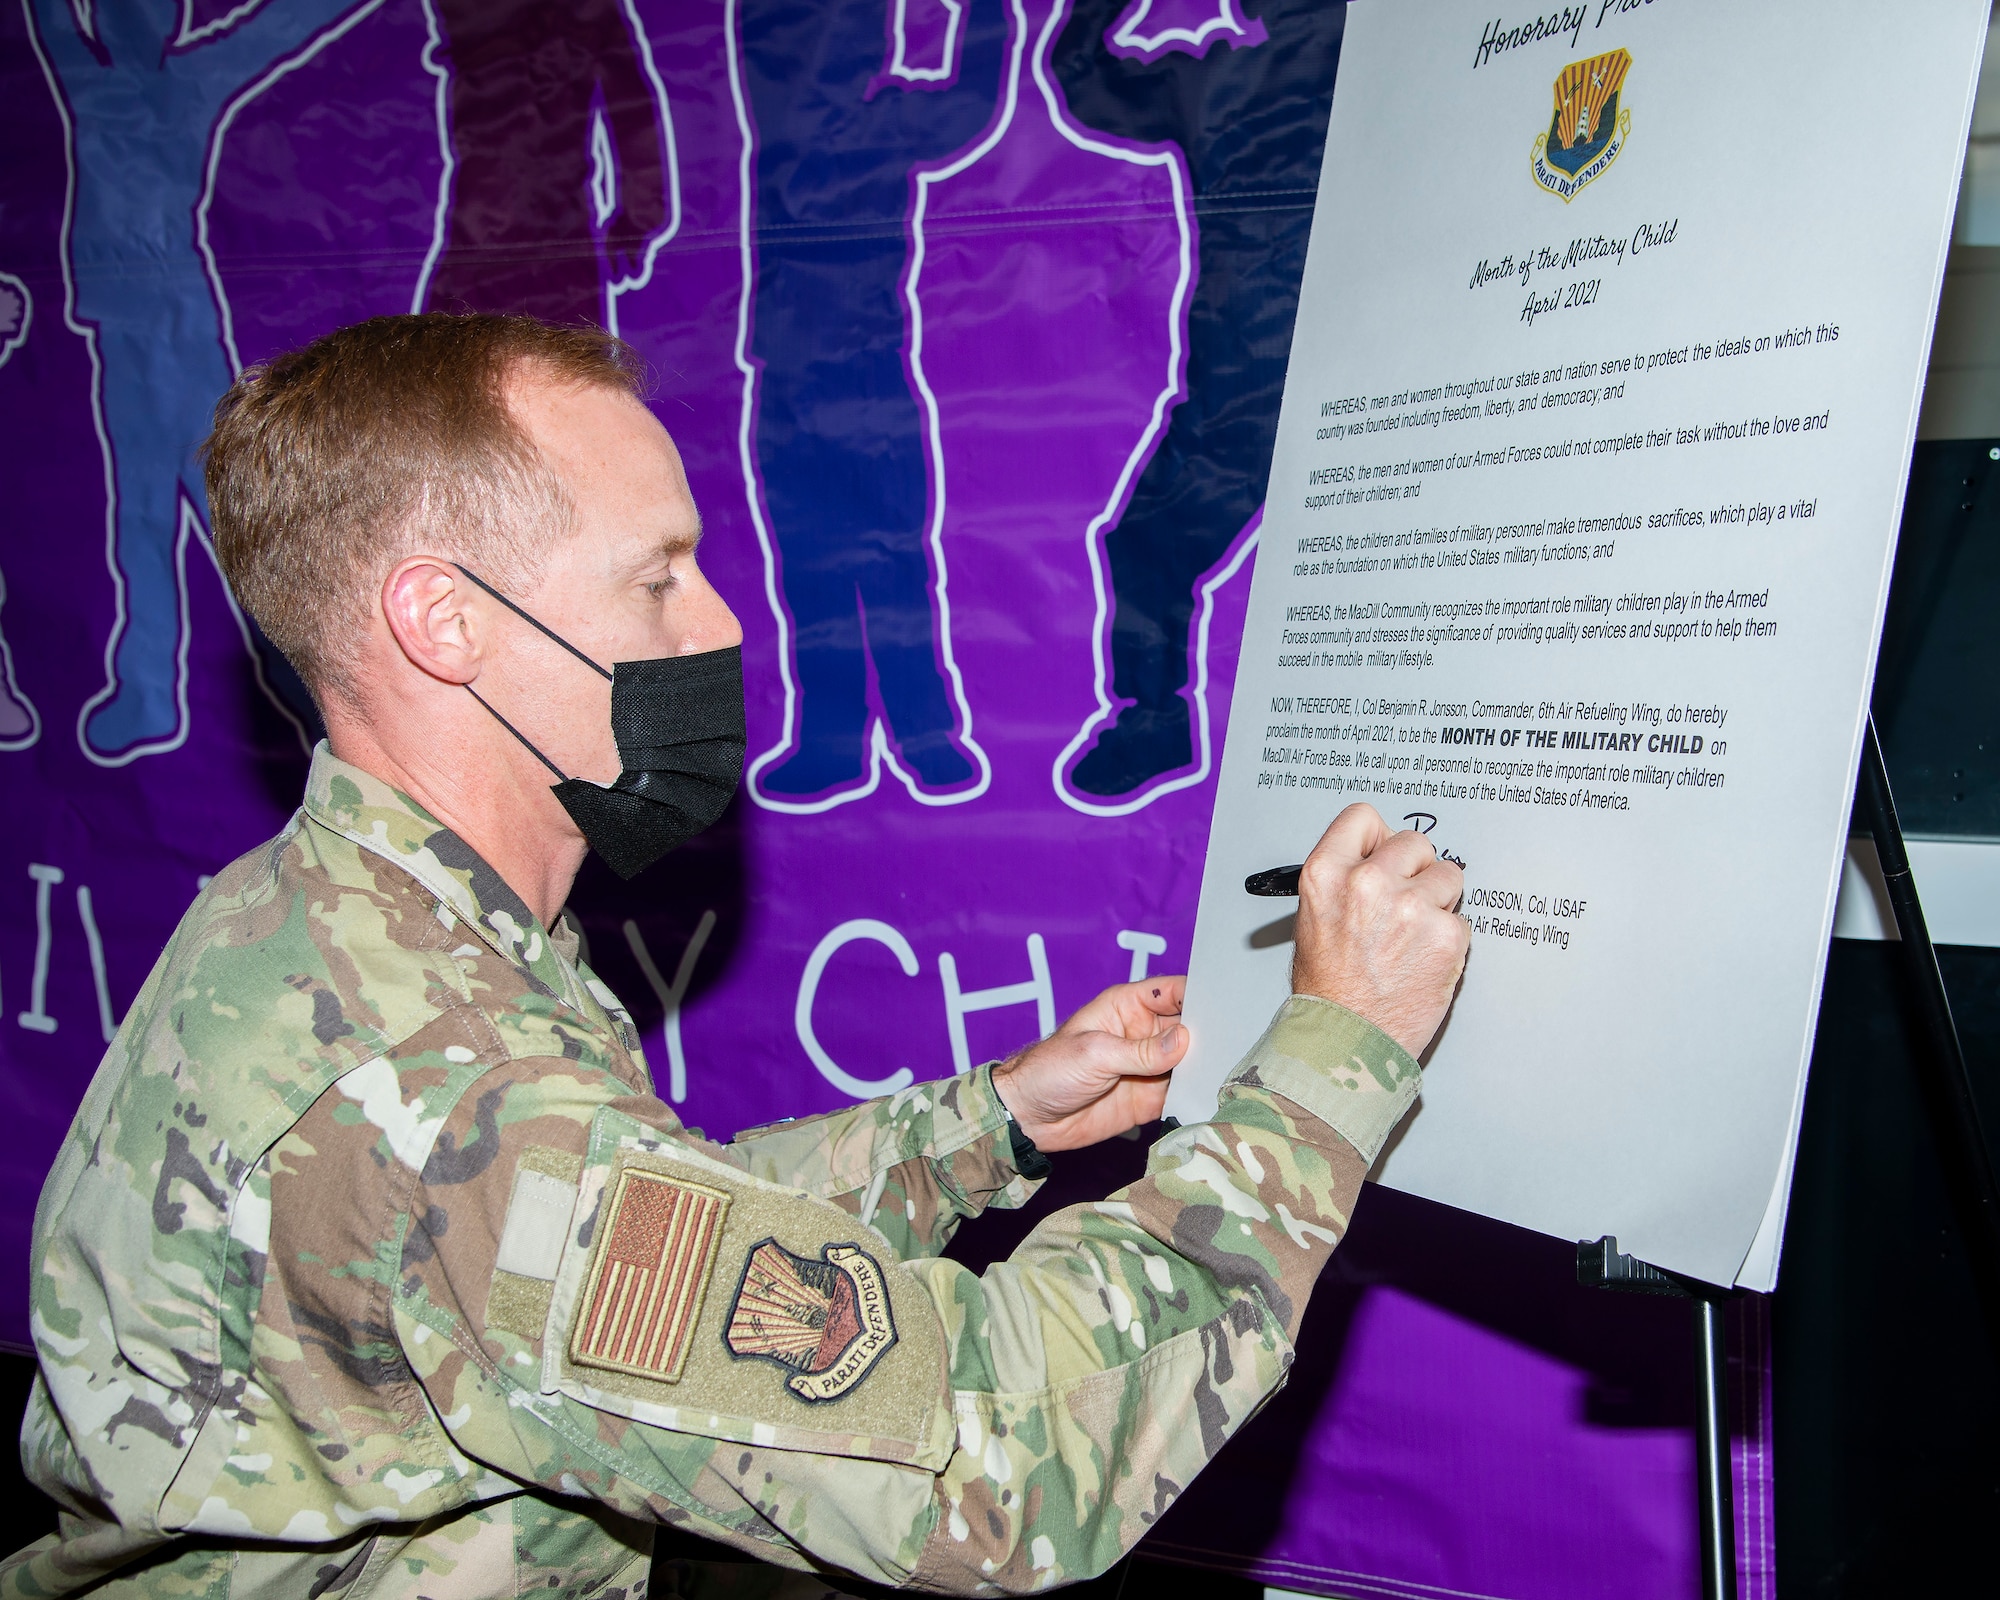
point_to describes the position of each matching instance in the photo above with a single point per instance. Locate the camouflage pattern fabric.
(364, 1265)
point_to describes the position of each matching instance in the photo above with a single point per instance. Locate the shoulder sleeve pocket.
(698, 1298)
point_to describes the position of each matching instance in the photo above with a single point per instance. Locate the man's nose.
(712, 626)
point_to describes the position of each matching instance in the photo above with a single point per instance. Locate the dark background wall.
(1887, 1370)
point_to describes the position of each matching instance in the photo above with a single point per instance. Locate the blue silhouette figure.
(20, 726)
(142, 98)
(839, 435)
(1250, 117)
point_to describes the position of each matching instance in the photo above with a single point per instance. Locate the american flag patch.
(646, 1283)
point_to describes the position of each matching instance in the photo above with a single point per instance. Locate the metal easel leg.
(1600, 1264)
(1715, 1484)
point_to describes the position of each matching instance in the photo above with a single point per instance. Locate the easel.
(1962, 1150)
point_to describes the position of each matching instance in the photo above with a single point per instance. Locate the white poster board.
(1577, 542)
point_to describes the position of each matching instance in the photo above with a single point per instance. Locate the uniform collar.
(370, 813)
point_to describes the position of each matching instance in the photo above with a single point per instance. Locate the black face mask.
(679, 725)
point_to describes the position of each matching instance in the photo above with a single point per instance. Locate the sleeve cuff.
(1337, 1065)
(1026, 1155)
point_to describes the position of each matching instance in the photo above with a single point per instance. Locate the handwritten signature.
(1424, 822)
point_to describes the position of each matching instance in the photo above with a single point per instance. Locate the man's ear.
(433, 616)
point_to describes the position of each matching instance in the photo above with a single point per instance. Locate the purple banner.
(970, 319)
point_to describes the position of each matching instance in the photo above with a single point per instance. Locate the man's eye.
(659, 587)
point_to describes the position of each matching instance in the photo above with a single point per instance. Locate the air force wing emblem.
(1588, 128)
(827, 1322)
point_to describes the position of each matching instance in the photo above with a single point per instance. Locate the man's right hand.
(1378, 931)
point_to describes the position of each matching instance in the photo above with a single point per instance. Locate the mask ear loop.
(527, 744)
(561, 776)
(533, 623)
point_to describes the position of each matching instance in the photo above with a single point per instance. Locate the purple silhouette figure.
(563, 174)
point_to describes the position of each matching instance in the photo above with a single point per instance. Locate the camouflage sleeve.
(616, 1314)
(912, 1165)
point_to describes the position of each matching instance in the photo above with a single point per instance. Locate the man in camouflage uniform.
(373, 1266)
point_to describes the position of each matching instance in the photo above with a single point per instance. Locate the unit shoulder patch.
(684, 1280)
(827, 1322)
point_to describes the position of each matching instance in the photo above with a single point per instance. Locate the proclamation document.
(1578, 536)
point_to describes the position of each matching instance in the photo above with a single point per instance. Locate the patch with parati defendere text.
(827, 1322)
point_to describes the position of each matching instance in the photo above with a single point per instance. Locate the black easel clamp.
(1600, 1264)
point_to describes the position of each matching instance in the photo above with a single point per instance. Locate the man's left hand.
(1101, 1072)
